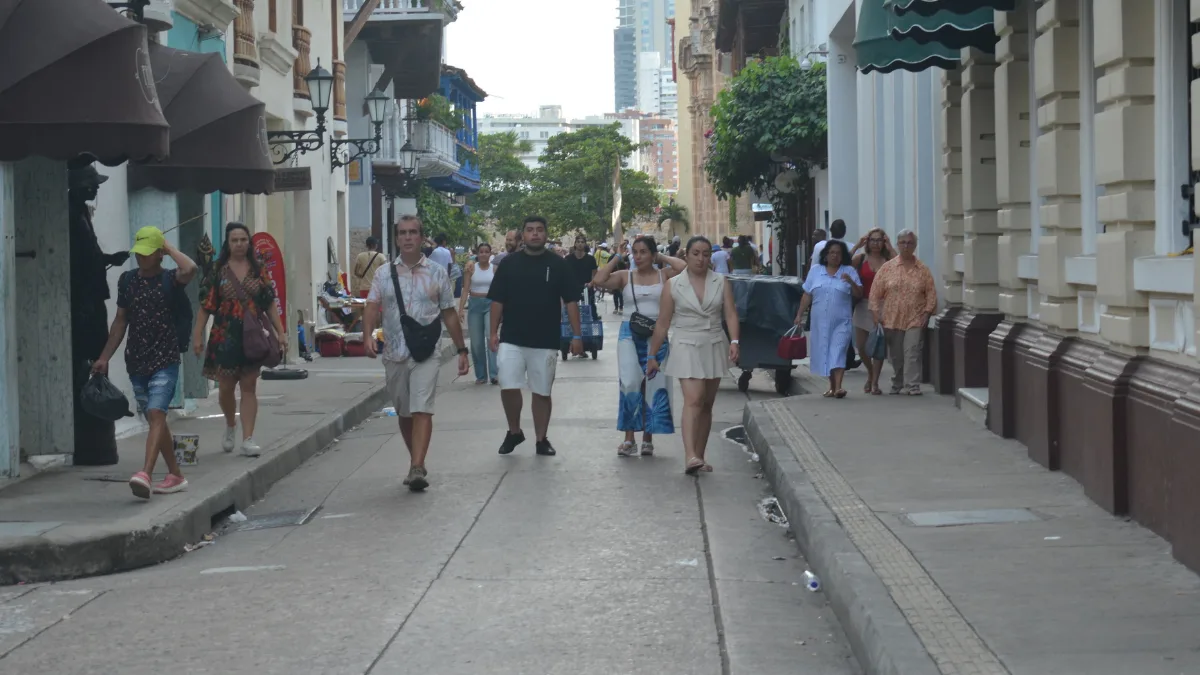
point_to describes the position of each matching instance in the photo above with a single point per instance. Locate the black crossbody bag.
(639, 324)
(421, 339)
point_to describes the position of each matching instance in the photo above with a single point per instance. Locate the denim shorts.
(154, 392)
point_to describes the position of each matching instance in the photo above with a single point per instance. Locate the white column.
(10, 454)
(842, 102)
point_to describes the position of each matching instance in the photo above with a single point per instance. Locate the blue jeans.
(479, 316)
(154, 392)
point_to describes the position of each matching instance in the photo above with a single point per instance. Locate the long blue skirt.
(650, 411)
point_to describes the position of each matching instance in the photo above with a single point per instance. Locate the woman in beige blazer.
(692, 307)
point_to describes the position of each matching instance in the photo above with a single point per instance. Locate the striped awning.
(930, 7)
(877, 50)
(917, 20)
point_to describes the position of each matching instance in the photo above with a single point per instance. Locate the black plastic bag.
(100, 398)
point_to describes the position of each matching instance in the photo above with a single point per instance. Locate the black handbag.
(422, 340)
(639, 324)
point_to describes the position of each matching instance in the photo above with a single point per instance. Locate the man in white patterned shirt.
(428, 295)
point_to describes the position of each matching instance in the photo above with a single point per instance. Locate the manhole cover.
(268, 521)
(983, 517)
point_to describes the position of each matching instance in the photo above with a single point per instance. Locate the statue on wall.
(95, 439)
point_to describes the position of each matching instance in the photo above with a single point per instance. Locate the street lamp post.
(320, 84)
(340, 149)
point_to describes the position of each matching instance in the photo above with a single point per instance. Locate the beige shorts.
(412, 385)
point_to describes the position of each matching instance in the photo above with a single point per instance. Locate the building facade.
(550, 122)
(1050, 151)
(662, 152)
(625, 55)
(222, 76)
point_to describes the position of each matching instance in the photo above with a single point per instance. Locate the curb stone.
(107, 549)
(881, 638)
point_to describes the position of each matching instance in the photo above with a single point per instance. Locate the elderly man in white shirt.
(428, 296)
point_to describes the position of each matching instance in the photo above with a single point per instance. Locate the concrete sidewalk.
(945, 550)
(83, 521)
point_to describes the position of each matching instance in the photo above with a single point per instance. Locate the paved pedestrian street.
(580, 564)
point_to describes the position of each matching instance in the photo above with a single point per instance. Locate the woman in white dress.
(645, 403)
(692, 307)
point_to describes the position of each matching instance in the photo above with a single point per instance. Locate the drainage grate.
(982, 517)
(269, 521)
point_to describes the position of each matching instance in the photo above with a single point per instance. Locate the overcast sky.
(526, 53)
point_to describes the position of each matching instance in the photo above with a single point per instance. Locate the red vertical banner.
(271, 257)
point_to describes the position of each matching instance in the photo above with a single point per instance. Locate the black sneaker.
(511, 441)
(544, 448)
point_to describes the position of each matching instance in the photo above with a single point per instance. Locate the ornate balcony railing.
(339, 91)
(302, 42)
(399, 8)
(245, 46)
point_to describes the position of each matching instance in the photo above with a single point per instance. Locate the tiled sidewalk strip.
(829, 517)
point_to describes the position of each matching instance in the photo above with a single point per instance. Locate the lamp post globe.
(320, 86)
(408, 158)
(377, 106)
(805, 64)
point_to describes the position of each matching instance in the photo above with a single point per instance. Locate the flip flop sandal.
(841, 393)
(828, 394)
(876, 392)
(706, 468)
(694, 466)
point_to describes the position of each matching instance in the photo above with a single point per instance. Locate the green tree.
(439, 216)
(676, 216)
(771, 107)
(504, 180)
(573, 186)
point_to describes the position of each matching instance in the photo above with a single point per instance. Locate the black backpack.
(177, 301)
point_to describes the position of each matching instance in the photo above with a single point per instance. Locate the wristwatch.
(735, 342)
(464, 350)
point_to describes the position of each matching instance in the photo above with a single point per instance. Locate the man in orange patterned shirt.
(903, 297)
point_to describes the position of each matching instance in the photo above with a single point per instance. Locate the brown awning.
(76, 79)
(218, 130)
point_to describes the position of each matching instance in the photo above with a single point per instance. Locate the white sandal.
(647, 449)
(627, 449)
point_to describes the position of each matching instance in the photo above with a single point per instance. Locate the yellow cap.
(148, 241)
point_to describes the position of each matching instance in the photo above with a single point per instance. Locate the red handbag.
(792, 347)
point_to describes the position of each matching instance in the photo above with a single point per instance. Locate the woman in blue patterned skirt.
(645, 404)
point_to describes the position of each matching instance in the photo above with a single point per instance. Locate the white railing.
(439, 149)
(435, 143)
(401, 7)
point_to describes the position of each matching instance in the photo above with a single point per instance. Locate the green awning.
(877, 50)
(975, 28)
(929, 7)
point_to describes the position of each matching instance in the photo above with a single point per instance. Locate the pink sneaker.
(140, 484)
(170, 485)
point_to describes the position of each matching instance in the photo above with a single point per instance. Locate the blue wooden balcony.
(464, 95)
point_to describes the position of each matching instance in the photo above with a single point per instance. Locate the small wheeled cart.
(766, 309)
(592, 330)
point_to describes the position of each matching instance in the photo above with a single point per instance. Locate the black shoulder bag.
(421, 339)
(639, 324)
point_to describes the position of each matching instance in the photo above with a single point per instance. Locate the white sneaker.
(250, 448)
(230, 439)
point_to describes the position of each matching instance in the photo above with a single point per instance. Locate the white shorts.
(412, 385)
(525, 366)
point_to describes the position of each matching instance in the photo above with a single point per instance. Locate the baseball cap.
(148, 241)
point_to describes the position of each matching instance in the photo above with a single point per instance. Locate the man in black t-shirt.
(584, 267)
(527, 294)
(146, 308)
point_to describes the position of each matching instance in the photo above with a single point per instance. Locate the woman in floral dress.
(645, 403)
(224, 359)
